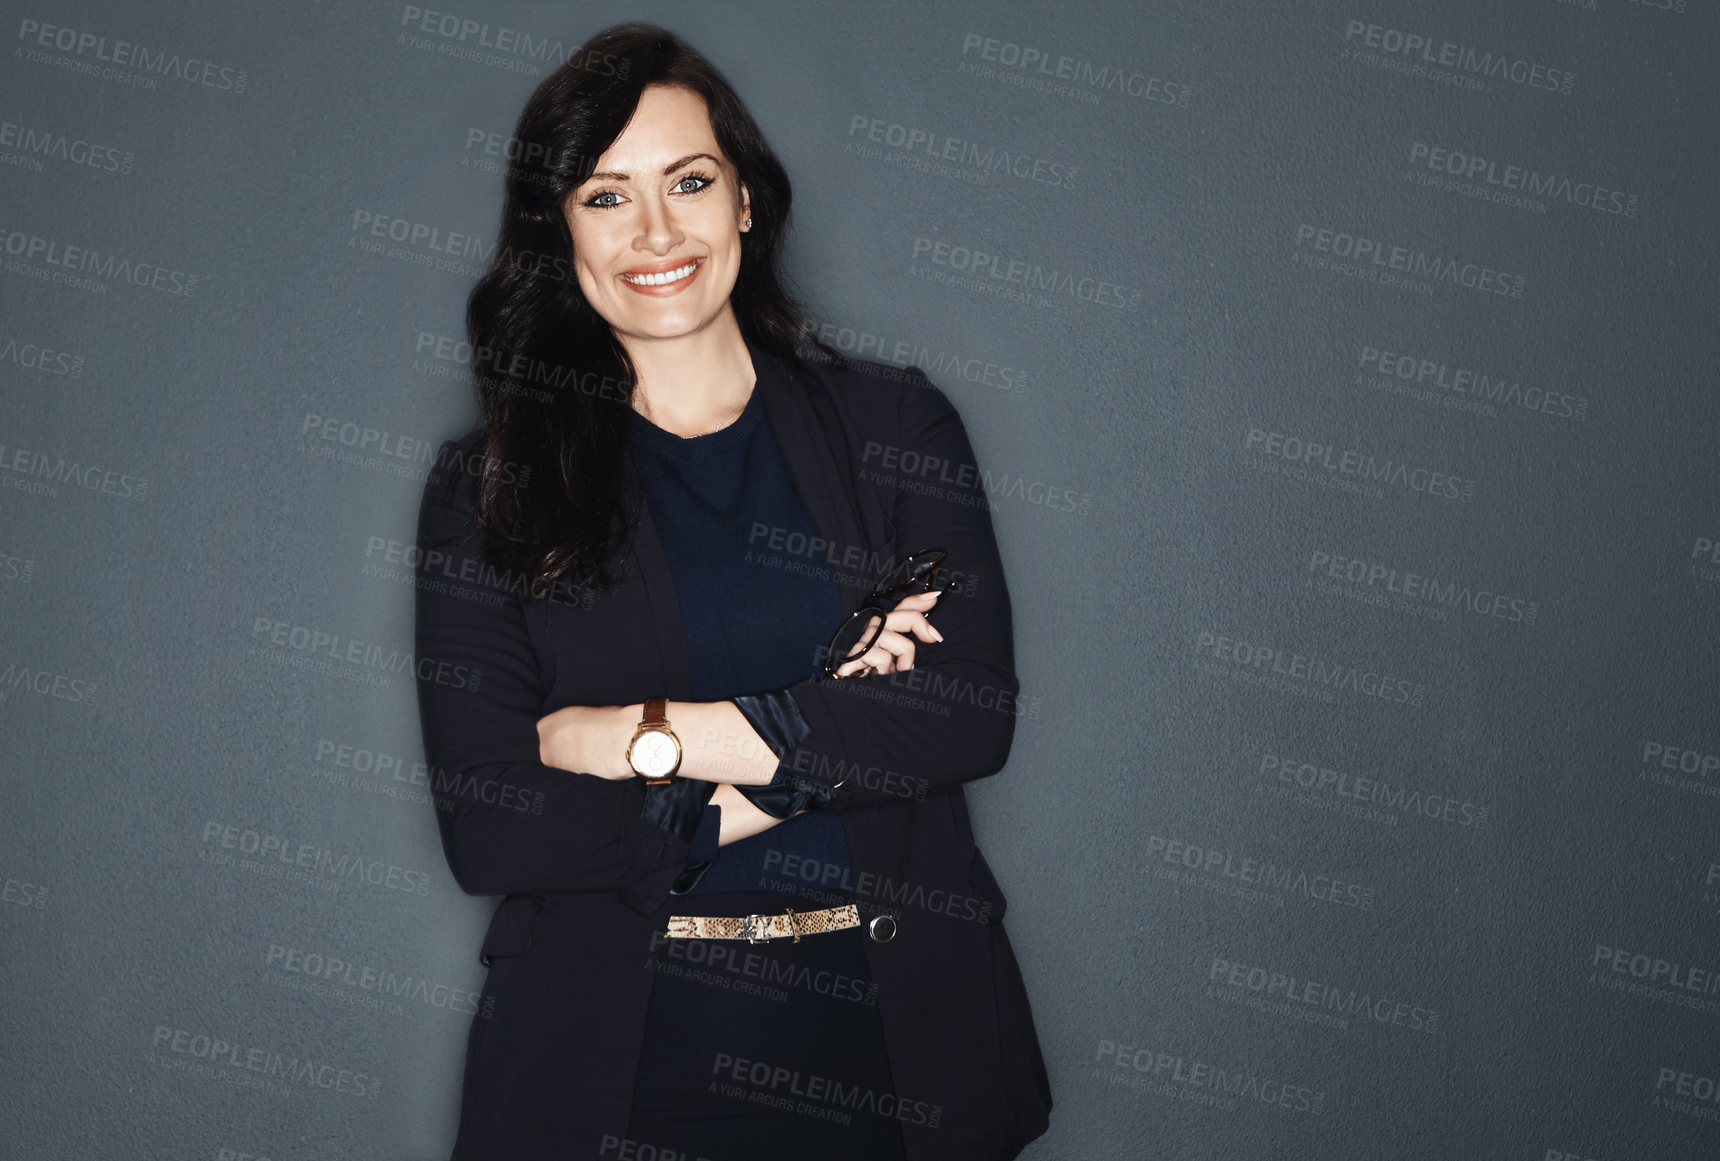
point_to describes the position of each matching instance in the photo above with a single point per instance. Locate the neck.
(692, 384)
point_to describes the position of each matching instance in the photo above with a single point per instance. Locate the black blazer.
(882, 462)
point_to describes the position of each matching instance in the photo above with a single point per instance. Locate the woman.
(743, 914)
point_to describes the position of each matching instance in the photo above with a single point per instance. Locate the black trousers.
(764, 1051)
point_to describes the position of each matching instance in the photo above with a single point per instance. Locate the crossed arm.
(718, 741)
(718, 745)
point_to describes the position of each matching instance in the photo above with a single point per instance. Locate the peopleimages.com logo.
(122, 60)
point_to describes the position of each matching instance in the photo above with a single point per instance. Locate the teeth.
(661, 279)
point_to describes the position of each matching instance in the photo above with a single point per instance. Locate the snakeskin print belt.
(763, 928)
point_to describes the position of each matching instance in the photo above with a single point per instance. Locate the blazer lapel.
(810, 438)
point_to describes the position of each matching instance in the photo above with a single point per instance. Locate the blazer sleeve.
(951, 718)
(509, 823)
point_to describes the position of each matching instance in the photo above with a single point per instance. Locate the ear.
(746, 202)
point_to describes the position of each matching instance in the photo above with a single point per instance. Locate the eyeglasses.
(860, 630)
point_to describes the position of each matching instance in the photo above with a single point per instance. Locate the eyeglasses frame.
(880, 602)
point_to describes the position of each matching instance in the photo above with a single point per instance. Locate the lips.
(661, 274)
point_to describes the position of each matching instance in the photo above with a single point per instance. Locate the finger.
(853, 667)
(899, 621)
(856, 666)
(894, 652)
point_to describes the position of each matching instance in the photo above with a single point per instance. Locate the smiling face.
(656, 228)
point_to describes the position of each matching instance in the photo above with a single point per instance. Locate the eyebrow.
(667, 169)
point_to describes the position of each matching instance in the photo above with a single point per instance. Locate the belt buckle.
(748, 923)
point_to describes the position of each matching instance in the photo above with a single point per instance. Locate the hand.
(585, 739)
(894, 649)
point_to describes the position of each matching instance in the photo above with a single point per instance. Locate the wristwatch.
(655, 751)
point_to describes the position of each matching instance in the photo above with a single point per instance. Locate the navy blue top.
(753, 621)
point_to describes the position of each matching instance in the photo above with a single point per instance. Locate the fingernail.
(937, 634)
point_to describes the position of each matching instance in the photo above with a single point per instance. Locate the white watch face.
(655, 754)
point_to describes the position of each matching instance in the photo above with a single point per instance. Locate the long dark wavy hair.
(554, 383)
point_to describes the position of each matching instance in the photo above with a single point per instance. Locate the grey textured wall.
(1344, 374)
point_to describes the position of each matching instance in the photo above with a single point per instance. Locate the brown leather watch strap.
(655, 720)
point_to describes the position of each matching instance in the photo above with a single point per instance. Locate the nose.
(658, 233)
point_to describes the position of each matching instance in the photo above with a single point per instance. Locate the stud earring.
(749, 223)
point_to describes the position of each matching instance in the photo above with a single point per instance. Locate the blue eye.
(595, 200)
